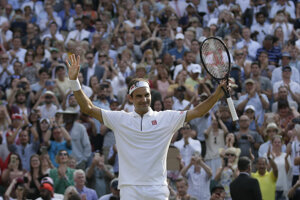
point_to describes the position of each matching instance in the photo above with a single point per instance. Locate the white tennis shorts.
(144, 192)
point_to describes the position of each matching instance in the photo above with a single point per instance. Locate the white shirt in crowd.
(295, 87)
(277, 75)
(77, 35)
(252, 47)
(187, 151)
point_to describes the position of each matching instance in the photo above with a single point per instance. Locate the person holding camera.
(198, 175)
(228, 172)
(50, 106)
(17, 185)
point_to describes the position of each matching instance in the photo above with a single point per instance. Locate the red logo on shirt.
(154, 122)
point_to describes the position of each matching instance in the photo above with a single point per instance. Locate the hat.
(285, 54)
(285, 68)
(249, 80)
(70, 110)
(53, 49)
(179, 36)
(47, 120)
(49, 93)
(114, 183)
(201, 39)
(47, 179)
(17, 116)
(191, 4)
(251, 107)
(195, 68)
(215, 187)
(47, 186)
(272, 125)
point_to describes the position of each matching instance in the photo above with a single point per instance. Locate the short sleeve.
(175, 119)
(110, 118)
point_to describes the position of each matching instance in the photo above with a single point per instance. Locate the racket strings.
(215, 58)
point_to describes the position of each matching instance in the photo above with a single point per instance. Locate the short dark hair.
(255, 63)
(244, 163)
(43, 69)
(182, 179)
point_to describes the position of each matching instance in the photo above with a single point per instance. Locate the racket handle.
(232, 109)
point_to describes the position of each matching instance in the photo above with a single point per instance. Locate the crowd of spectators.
(50, 150)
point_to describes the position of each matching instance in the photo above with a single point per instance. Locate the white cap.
(49, 92)
(195, 68)
(179, 36)
(251, 107)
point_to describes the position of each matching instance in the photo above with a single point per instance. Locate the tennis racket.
(215, 58)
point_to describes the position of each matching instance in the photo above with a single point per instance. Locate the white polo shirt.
(143, 143)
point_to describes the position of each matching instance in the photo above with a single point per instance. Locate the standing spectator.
(254, 97)
(198, 175)
(182, 190)
(214, 140)
(79, 34)
(187, 146)
(285, 61)
(79, 179)
(81, 146)
(50, 107)
(17, 53)
(113, 158)
(292, 86)
(267, 180)
(247, 42)
(97, 174)
(217, 192)
(228, 171)
(248, 141)
(295, 157)
(62, 175)
(282, 162)
(179, 50)
(25, 149)
(115, 192)
(244, 187)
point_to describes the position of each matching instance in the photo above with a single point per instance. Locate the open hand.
(74, 67)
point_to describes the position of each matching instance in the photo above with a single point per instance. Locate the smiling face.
(141, 99)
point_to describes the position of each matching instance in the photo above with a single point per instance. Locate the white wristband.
(75, 85)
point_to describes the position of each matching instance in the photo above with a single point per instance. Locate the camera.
(49, 83)
(22, 85)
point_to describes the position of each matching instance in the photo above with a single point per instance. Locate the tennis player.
(142, 136)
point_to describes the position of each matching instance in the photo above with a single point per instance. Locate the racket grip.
(232, 109)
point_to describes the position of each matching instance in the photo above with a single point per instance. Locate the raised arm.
(86, 105)
(201, 109)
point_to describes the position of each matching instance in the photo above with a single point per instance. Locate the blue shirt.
(55, 147)
(274, 54)
(177, 54)
(90, 193)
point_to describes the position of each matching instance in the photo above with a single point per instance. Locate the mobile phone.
(44, 150)
(13, 159)
(225, 161)
(49, 83)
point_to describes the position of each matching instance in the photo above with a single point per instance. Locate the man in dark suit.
(244, 187)
(90, 68)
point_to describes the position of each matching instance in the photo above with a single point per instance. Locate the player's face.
(141, 99)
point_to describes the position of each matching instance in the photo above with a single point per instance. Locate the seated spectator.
(71, 190)
(286, 114)
(79, 34)
(62, 175)
(34, 177)
(97, 175)
(25, 149)
(182, 189)
(282, 94)
(46, 164)
(250, 112)
(115, 192)
(267, 180)
(198, 175)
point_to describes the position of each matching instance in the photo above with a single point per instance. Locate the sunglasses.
(63, 154)
(89, 58)
(230, 154)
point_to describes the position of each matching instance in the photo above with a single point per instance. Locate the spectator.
(178, 51)
(115, 192)
(214, 140)
(294, 191)
(97, 175)
(260, 27)
(198, 175)
(248, 141)
(282, 95)
(17, 185)
(294, 148)
(187, 146)
(267, 180)
(50, 107)
(17, 53)
(244, 186)
(79, 34)
(79, 179)
(274, 53)
(25, 150)
(81, 147)
(217, 192)
(293, 87)
(182, 188)
(113, 159)
(228, 171)
(62, 175)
